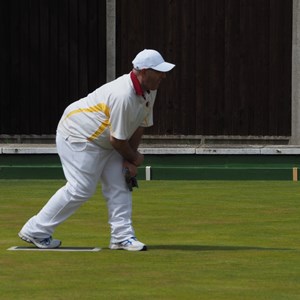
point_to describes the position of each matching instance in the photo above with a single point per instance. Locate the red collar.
(136, 84)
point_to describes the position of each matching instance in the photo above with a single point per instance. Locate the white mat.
(61, 249)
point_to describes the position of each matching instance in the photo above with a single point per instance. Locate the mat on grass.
(61, 249)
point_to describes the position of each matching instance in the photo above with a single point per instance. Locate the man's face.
(152, 79)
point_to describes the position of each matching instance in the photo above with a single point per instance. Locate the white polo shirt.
(113, 109)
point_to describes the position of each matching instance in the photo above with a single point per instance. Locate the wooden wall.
(233, 57)
(52, 52)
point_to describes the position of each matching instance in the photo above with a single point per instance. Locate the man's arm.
(128, 149)
(136, 138)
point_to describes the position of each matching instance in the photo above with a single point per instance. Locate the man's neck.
(137, 83)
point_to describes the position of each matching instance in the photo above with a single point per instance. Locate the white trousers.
(84, 165)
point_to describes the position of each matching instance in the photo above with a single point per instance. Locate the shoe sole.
(144, 248)
(30, 240)
(24, 238)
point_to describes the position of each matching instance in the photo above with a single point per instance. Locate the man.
(97, 139)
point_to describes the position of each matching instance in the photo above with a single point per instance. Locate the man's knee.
(80, 191)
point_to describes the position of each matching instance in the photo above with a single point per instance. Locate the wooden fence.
(233, 62)
(233, 57)
(52, 52)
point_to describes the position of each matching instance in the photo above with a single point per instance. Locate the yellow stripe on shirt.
(96, 108)
(100, 129)
(101, 107)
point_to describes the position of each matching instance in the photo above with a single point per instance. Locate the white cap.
(151, 59)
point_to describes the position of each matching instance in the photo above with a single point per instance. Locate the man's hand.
(131, 168)
(139, 160)
(125, 149)
(130, 171)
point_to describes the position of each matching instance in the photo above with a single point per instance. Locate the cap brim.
(164, 67)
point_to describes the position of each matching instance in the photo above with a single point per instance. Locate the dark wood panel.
(233, 57)
(54, 52)
(45, 102)
(5, 103)
(232, 68)
(280, 74)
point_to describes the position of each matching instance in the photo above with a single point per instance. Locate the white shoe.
(46, 243)
(131, 244)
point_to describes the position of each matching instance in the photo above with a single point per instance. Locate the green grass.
(207, 240)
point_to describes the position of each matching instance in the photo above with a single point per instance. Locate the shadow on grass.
(213, 248)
